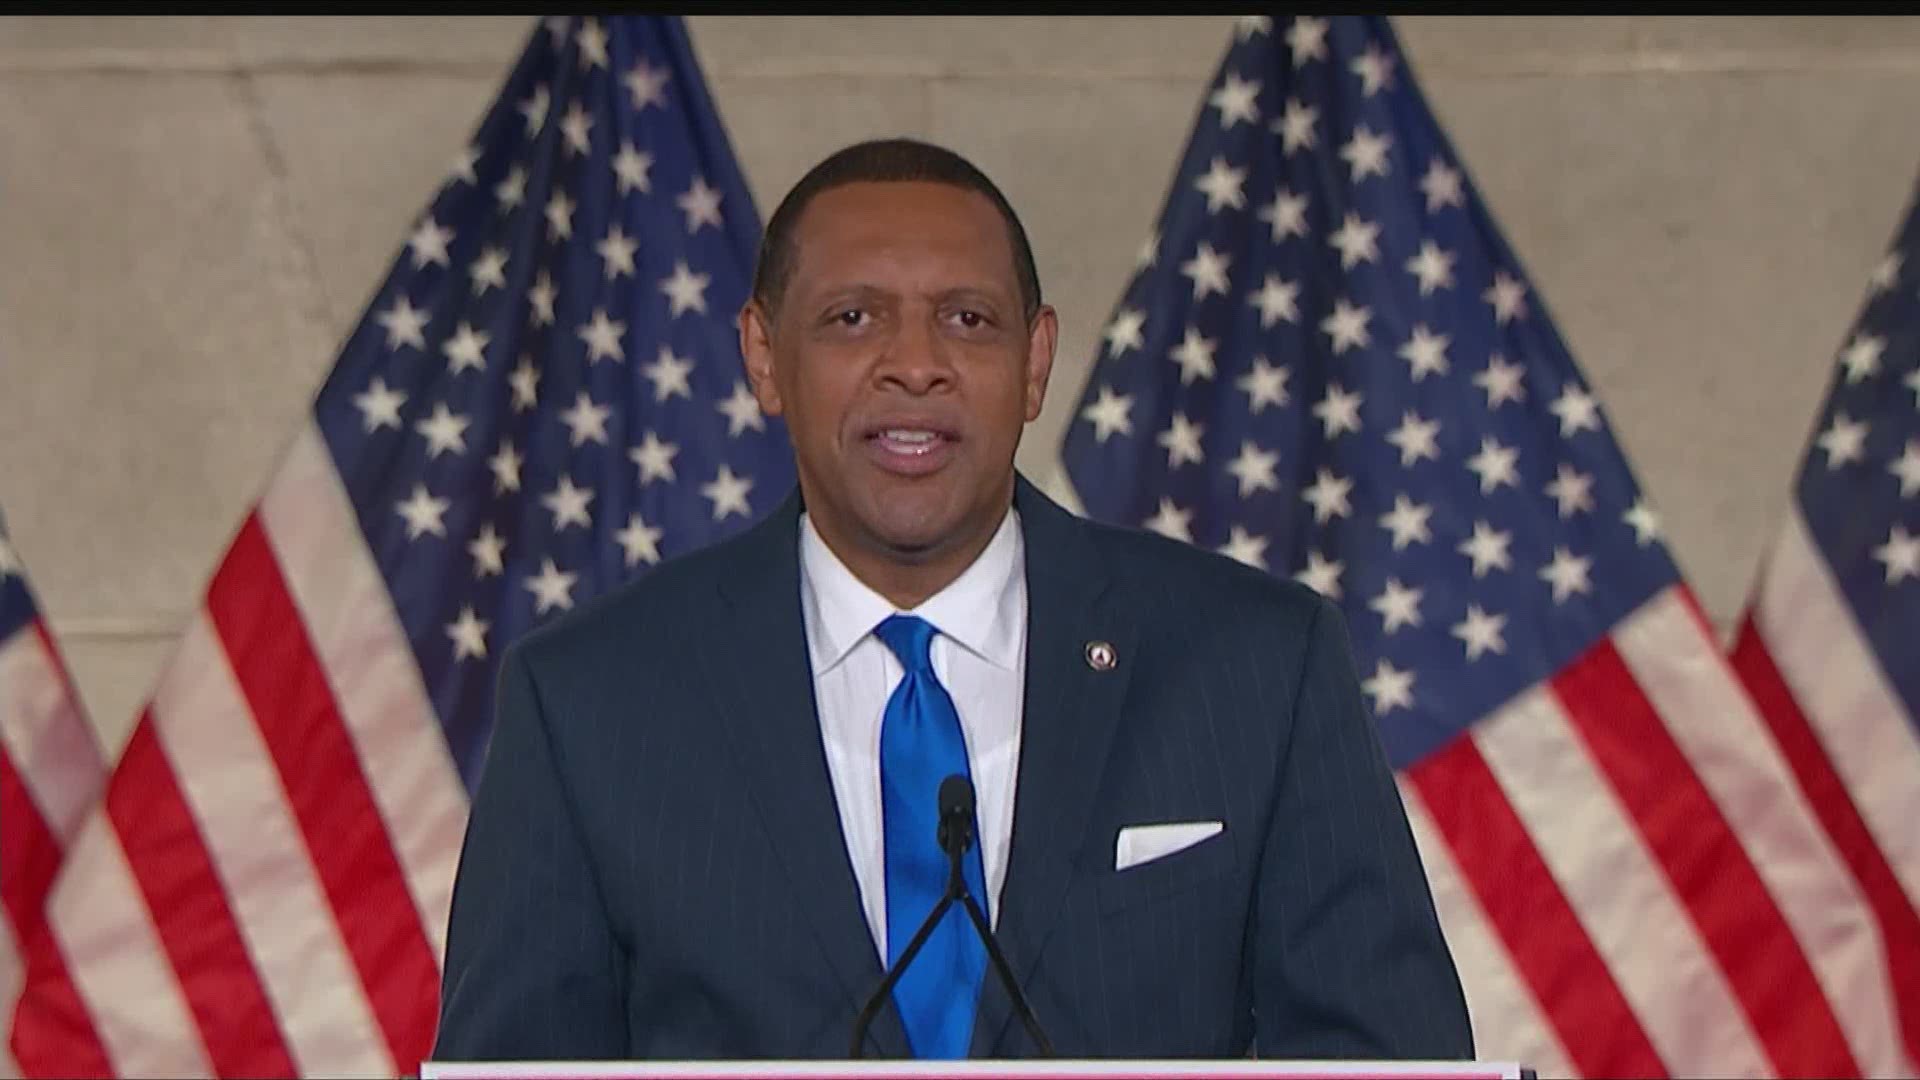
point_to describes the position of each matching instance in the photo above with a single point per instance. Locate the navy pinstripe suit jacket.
(654, 866)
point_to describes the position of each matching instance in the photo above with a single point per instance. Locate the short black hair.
(885, 161)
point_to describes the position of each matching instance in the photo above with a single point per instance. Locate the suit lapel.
(758, 671)
(1071, 710)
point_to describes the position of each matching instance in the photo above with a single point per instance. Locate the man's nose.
(916, 358)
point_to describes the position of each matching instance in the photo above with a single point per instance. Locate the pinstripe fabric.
(654, 866)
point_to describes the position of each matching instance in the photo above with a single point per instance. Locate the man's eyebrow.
(838, 290)
(867, 288)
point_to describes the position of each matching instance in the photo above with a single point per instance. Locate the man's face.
(904, 365)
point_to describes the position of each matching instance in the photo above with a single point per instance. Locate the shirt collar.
(982, 610)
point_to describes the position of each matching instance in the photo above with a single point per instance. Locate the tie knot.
(911, 639)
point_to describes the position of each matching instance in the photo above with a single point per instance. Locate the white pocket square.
(1145, 843)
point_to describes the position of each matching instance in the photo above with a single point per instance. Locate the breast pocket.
(1192, 867)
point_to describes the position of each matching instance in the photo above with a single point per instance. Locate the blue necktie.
(921, 745)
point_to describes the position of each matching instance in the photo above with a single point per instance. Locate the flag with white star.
(1830, 642)
(543, 400)
(1329, 364)
(51, 774)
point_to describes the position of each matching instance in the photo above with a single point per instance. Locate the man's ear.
(1041, 340)
(756, 347)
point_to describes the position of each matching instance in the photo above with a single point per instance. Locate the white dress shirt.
(979, 654)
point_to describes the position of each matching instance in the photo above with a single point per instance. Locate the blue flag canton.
(546, 397)
(1859, 483)
(1329, 364)
(16, 600)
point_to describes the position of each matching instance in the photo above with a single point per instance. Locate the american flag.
(51, 771)
(1329, 364)
(1830, 644)
(543, 399)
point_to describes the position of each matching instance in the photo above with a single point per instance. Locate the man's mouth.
(912, 442)
(910, 449)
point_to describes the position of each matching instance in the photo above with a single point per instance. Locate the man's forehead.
(867, 209)
(898, 220)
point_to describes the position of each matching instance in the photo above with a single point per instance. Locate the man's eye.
(850, 317)
(972, 320)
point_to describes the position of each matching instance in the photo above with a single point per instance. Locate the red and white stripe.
(1633, 886)
(1847, 737)
(51, 774)
(265, 890)
(1502, 1008)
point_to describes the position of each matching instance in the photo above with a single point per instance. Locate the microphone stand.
(1020, 1005)
(872, 1008)
(956, 890)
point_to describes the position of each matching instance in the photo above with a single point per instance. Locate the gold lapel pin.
(1100, 656)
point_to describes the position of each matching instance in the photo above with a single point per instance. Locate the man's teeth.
(910, 436)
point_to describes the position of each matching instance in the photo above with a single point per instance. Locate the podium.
(1045, 1069)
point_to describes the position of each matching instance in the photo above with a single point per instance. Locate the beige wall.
(193, 211)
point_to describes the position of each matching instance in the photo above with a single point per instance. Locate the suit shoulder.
(1208, 582)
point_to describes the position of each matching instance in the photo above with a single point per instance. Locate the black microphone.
(955, 836)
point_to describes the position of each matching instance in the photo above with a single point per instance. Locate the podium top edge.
(1055, 1069)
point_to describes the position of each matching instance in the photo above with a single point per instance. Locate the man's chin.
(913, 536)
(914, 545)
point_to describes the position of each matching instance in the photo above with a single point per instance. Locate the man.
(708, 818)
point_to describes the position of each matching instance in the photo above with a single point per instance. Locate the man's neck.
(908, 581)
